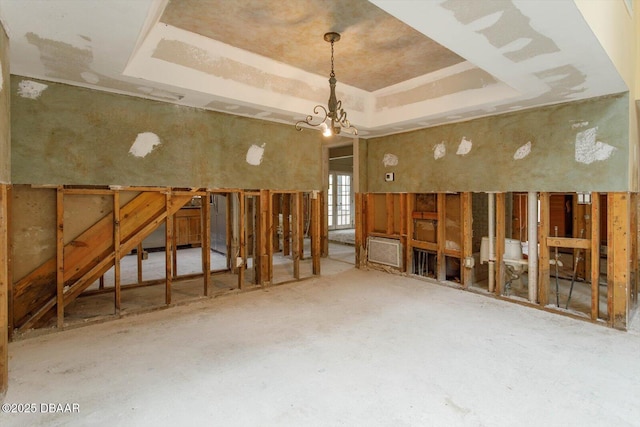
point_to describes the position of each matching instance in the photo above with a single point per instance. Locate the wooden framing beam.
(116, 248)
(60, 257)
(168, 250)
(633, 275)
(390, 208)
(5, 285)
(408, 220)
(568, 242)
(139, 253)
(205, 239)
(595, 256)
(543, 257)
(467, 238)
(441, 267)
(359, 231)
(500, 236)
(242, 239)
(404, 226)
(265, 247)
(296, 215)
(286, 224)
(618, 239)
(276, 206)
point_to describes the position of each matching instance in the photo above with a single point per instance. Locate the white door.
(340, 201)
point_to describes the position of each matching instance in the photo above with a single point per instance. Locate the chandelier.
(335, 118)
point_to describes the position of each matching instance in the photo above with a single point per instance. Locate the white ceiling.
(400, 64)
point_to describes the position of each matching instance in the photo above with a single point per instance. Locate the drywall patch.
(255, 154)
(144, 144)
(439, 151)
(30, 89)
(523, 151)
(465, 147)
(589, 150)
(390, 160)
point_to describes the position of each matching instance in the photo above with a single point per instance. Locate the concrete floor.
(350, 348)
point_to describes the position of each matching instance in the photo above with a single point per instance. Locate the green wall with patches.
(77, 136)
(564, 139)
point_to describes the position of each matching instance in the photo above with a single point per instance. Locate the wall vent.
(384, 251)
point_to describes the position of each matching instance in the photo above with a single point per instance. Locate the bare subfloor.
(351, 348)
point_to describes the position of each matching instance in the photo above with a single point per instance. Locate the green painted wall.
(71, 135)
(5, 122)
(581, 146)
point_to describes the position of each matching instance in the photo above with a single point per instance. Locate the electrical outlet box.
(389, 176)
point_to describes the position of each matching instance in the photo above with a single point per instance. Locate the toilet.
(513, 255)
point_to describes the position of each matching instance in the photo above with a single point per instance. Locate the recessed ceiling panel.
(376, 50)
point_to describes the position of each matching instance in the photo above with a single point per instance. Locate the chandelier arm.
(309, 119)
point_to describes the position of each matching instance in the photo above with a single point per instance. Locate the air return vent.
(384, 251)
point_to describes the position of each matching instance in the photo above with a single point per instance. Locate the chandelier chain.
(333, 74)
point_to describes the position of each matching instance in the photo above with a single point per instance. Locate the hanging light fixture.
(335, 118)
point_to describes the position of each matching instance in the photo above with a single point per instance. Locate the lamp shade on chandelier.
(335, 118)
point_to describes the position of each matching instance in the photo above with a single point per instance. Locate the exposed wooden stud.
(543, 257)
(633, 260)
(264, 246)
(230, 214)
(467, 238)
(369, 215)
(5, 285)
(101, 282)
(500, 236)
(6, 264)
(174, 247)
(140, 254)
(569, 242)
(315, 233)
(403, 229)
(296, 232)
(324, 224)
(242, 240)
(60, 257)
(169, 220)
(408, 219)
(441, 264)
(360, 226)
(116, 248)
(276, 202)
(595, 256)
(286, 224)
(205, 216)
(618, 216)
(305, 210)
(390, 211)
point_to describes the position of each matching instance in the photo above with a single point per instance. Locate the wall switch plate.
(389, 176)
